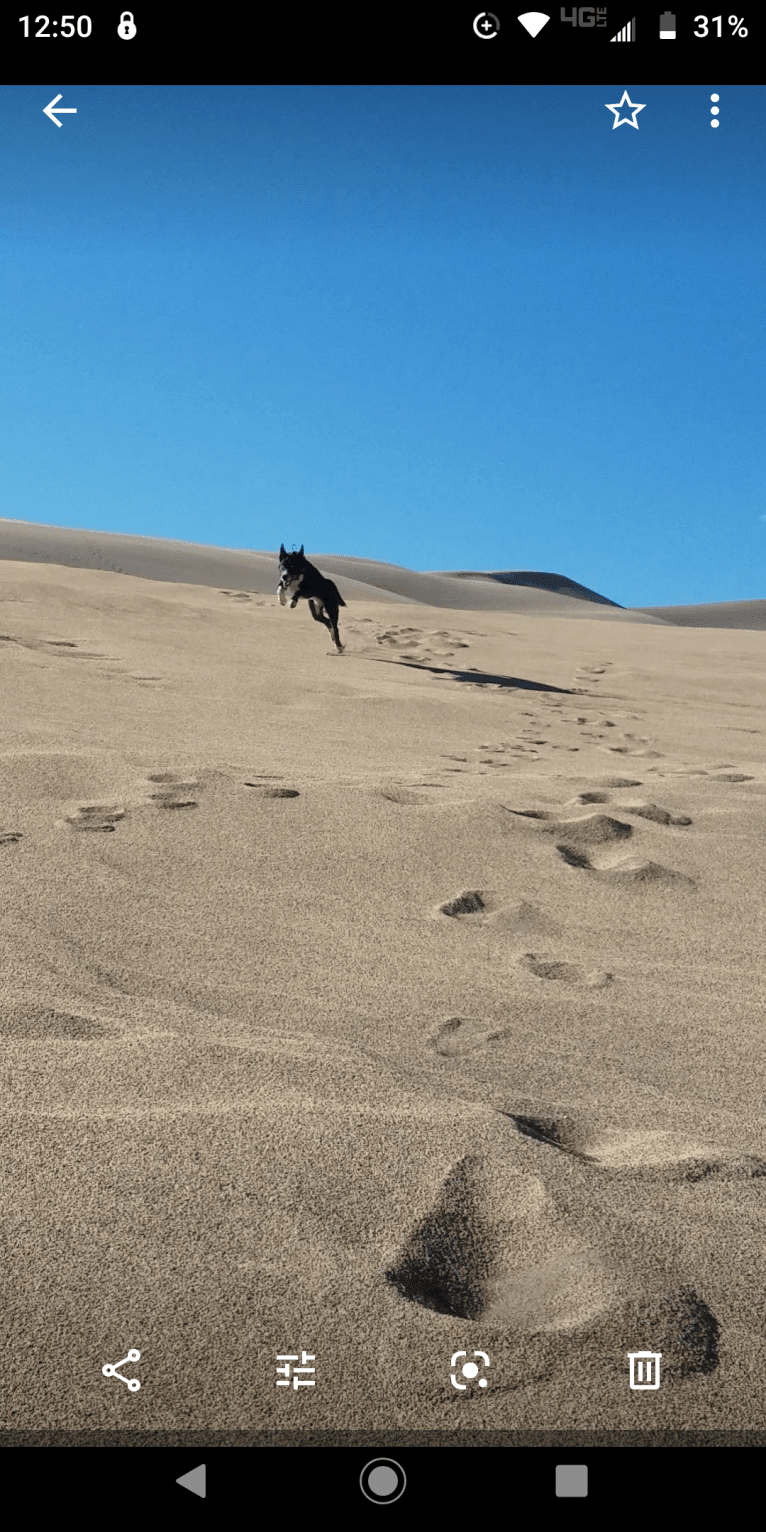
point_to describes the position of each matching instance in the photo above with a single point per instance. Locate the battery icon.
(667, 26)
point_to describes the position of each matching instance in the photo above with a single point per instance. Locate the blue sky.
(445, 327)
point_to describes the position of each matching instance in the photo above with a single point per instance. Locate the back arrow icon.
(48, 110)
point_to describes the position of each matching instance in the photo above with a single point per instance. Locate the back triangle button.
(195, 1481)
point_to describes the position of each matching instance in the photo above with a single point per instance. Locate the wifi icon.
(534, 21)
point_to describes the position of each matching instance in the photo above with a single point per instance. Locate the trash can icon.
(644, 1369)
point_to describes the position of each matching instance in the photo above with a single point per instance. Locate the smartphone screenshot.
(382, 762)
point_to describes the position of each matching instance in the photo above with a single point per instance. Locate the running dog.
(299, 580)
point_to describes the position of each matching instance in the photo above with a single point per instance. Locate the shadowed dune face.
(385, 1008)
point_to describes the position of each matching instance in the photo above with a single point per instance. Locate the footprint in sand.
(559, 1130)
(632, 748)
(448, 643)
(262, 780)
(655, 813)
(465, 1255)
(543, 966)
(462, 758)
(9, 837)
(633, 871)
(598, 794)
(620, 782)
(469, 902)
(589, 675)
(529, 813)
(278, 792)
(593, 830)
(644, 810)
(464, 1246)
(457, 1036)
(506, 754)
(95, 816)
(580, 836)
(236, 595)
(647, 1153)
(400, 638)
(172, 791)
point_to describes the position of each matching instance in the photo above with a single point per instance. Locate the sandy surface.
(365, 1006)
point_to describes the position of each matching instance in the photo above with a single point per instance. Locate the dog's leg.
(333, 626)
(318, 612)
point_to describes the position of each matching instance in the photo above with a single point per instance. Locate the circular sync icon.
(382, 1481)
(486, 25)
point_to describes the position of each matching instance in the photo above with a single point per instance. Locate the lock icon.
(127, 27)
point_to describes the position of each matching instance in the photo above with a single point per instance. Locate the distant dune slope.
(523, 591)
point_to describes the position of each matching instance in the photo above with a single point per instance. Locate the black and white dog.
(298, 579)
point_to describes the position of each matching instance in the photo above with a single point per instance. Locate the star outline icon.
(616, 108)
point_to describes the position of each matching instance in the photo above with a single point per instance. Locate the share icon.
(109, 1370)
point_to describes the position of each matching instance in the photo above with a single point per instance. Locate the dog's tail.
(341, 602)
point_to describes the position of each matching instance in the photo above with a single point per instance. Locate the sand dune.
(377, 1006)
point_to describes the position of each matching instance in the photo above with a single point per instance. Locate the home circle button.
(382, 1480)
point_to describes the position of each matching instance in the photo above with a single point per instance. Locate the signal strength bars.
(627, 34)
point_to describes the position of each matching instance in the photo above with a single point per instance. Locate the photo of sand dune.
(386, 1007)
(382, 781)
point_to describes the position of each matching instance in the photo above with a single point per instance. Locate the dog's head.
(290, 565)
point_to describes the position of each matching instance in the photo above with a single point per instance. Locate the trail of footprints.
(166, 791)
(452, 1261)
(411, 643)
(584, 842)
(443, 1264)
(591, 843)
(448, 1263)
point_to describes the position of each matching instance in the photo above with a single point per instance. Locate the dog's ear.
(301, 550)
(281, 550)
